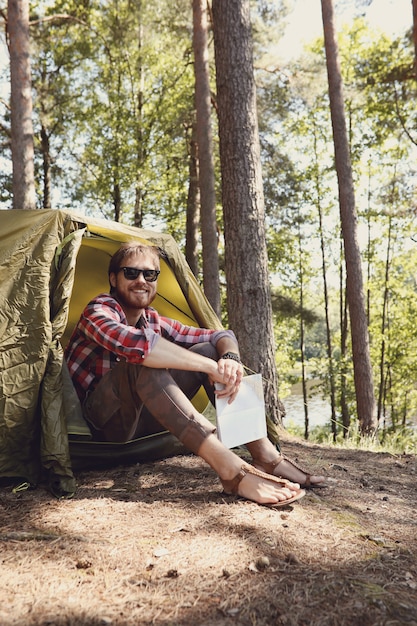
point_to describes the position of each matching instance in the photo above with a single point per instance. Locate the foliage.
(113, 97)
(380, 101)
(400, 441)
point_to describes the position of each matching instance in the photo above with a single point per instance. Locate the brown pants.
(133, 401)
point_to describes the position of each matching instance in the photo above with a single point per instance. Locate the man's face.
(136, 294)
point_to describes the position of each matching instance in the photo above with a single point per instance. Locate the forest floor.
(160, 543)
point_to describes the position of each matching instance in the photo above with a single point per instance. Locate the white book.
(243, 420)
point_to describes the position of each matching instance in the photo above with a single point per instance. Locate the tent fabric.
(52, 263)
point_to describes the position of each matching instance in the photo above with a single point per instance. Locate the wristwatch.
(232, 356)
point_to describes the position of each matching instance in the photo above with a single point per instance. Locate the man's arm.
(225, 345)
(166, 354)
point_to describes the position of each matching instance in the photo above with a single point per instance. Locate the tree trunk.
(191, 239)
(21, 105)
(205, 156)
(330, 366)
(365, 398)
(46, 167)
(138, 208)
(415, 34)
(384, 325)
(246, 261)
(302, 334)
(344, 323)
(117, 201)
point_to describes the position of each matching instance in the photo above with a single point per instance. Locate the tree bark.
(192, 225)
(384, 325)
(302, 334)
(365, 398)
(330, 368)
(415, 35)
(344, 323)
(21, 105)
(138, 208)
(246, 261)
(46, 167)
(205, 156)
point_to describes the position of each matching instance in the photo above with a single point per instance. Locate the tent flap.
(28, 243)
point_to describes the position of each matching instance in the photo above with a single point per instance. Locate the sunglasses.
(131, 273)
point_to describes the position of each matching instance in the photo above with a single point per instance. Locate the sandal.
(231, 486)
(270, 466)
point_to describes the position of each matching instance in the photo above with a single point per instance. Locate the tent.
(52, 263)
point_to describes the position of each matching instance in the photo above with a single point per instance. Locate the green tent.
(51, 264)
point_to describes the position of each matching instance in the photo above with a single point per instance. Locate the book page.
(243, 420)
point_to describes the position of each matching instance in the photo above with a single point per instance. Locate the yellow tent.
(51, 264)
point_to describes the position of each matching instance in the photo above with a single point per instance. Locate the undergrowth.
(401, 441)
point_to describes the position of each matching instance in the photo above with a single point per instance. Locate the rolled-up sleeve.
(219, 334)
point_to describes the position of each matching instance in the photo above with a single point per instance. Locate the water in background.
(319, 411)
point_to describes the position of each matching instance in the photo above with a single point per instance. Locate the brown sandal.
(270, 466)
(231, 486)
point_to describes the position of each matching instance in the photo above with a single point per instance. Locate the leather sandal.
(231, 486)
(270, 466)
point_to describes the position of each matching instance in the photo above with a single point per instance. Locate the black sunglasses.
(131, 273)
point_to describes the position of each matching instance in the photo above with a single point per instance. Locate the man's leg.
(189, 383)
(166, 403)
(133, 400)
(158, 391)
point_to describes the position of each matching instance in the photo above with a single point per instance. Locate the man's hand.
(230, 374)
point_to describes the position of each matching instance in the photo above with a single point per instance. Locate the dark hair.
(128, 250)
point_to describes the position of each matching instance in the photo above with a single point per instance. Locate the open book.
(243, 420)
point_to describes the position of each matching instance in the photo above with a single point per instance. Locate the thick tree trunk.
(365, 398)
(205, 156)
(248, 287)
(21, 105)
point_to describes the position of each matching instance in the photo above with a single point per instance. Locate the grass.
(401, 441)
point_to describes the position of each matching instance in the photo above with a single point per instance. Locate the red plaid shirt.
(103, 336)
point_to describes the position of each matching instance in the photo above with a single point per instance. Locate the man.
(136, 371)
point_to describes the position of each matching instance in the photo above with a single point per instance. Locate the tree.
(21, 105)
(205, 156)
(330, 358)
(193, 201)
(125, 71)
(55, 55)
(246, 263)
(362, 368)
(415, 34)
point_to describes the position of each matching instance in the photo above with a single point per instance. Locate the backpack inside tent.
(51, 264)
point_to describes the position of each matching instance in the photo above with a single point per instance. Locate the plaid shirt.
(102, 337)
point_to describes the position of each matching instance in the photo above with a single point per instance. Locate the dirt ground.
(160, 543)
